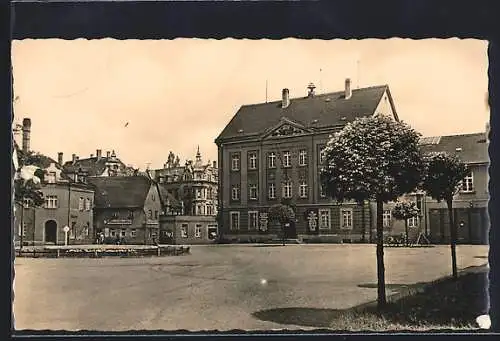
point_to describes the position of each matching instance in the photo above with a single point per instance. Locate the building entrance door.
(51, 232)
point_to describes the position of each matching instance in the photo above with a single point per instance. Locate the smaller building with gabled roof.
(471, 203)
(127, 208)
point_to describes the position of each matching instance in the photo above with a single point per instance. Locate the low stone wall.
(99, 251)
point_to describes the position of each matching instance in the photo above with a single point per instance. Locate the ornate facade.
(194, 184)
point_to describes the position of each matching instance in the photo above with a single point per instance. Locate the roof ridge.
(464, 134)
(317, 95)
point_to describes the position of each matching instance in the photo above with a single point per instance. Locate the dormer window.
(51, 177)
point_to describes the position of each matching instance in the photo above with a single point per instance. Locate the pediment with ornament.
(286, 129)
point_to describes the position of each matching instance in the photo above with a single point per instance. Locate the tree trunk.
(406, 232)
(453, 238)
(381, 299)
(283, 233)
(363, 231)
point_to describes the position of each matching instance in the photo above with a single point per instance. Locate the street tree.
(373, 158)
(28, 180)
(404, 210)
(284, 214)
(442, 180)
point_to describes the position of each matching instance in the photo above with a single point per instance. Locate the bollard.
(158, 251)
(57, 255)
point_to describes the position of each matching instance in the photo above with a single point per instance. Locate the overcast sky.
(176, 94)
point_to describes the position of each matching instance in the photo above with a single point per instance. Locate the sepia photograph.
(262, 185)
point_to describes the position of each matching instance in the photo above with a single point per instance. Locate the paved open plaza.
(215, 287)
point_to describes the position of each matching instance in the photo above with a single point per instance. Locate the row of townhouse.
(273, 151)
(101, 196)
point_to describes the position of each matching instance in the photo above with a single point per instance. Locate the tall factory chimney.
(26, 134)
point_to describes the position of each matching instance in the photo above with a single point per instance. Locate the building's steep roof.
(120, 191)
(93, 166)
(168, 197)
(324, 110)
(470, 148)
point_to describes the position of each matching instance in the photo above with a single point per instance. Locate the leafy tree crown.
(405, 209)
(281, 213)
(372, 157)
(443, 175)
(28, 190)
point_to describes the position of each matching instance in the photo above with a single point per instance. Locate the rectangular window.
(51, 201)
(346, 219)
(252, 160)
(386, 218)
(321, 154)
(235, 221)
(287, 189)
(88, 204)
(150, 214)
(156, 214)
(197, 231)
(72, 231)
(133, 233)
(302, 157)
(25, 229)
(113, 233)
(324, 218)
(27, 202)
(468, 183)
(413, 222)
(271, 158)
(271, 189)
(322, 191)
(286, 159)
(235, 192)
(253, 191)
(80, 204)
(123, 233)
(235, 162)
(184, 230)
(253, 220)
(303, 189)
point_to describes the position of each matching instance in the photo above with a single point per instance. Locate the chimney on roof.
(311, 88)
(214, 165)
(348, 91)
(98, 153)
(77, 158)
(73, 158)
(285, 98)
(91, 156)
(108, 153)
(26, 134)
(60, 158)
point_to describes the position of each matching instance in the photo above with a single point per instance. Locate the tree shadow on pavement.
(448, 304)
(308, 317)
